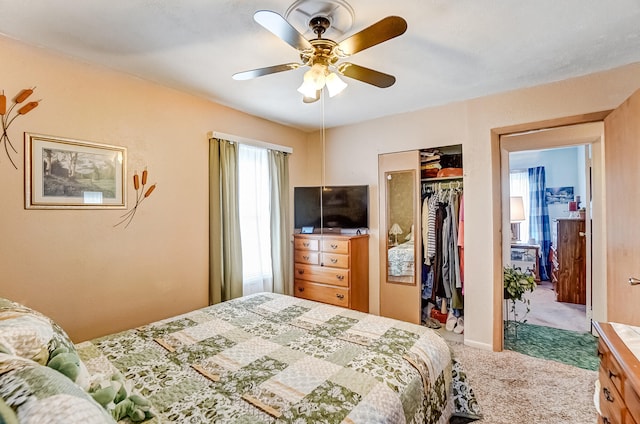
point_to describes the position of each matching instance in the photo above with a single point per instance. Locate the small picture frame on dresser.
(306, 230)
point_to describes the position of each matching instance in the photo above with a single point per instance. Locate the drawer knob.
(306, 258)
(612, 374)
(605, 420)
(301, 271)
(340, 277)
(340, 296)
(334, 246)
(300, 289)
(334, 261)
(305, 244)
(607, 394)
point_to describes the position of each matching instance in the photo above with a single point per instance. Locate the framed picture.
(61, 173)
(558, 195)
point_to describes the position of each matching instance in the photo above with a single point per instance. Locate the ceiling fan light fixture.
(316, 75)
(334, 84)
(307, 89)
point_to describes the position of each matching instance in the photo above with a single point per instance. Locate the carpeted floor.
(569, 347)
(514, 388)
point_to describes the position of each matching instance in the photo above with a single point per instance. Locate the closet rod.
(445, 185)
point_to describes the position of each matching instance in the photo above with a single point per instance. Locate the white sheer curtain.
(254, 200)
(520, 187)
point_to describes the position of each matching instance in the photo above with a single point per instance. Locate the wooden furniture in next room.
(527, 258)
(619, 378)
(332, 268)
(570, 260)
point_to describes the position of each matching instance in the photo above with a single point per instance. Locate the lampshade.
(316, 78)
(334, 84)
(395, 229)
(517, 209)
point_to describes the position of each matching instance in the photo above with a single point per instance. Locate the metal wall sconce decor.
(7, 119)
(141, 195)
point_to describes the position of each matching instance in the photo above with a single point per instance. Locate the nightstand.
(526, 257)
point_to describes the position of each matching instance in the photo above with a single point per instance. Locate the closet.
(421, 235)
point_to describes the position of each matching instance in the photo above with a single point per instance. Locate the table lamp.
(516, 216)
(395, 230)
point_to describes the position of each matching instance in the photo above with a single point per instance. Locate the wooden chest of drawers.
(619, 378)
(332, 269)
(571, 255)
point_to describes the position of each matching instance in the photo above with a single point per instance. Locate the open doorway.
(575, 150)
(555, 258)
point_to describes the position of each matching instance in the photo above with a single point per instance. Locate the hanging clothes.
(452, 246)
(461, 240)
(424, 218)
(439, 290)
(431, 224)
(441, 214)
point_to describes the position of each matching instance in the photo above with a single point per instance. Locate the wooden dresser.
(619, 378)
(570, 262)
(332, 268)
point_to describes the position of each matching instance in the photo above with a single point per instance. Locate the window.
(254, 205)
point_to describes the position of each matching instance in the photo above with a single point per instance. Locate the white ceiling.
(452, 50)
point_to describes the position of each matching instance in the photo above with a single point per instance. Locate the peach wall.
(94, 279)
(73, 265)
(469, 123)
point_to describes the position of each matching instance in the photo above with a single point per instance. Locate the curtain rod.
(251, 142)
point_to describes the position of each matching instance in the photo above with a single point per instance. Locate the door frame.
(556, 138)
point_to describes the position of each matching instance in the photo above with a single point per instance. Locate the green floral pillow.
(36, 394)
(31, 335)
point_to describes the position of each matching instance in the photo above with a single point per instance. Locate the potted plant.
(516, 284)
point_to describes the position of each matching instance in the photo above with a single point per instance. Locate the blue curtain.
(539, 227)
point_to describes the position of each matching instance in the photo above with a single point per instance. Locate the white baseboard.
(478, 345)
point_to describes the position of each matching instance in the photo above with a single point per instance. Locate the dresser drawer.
(604, 419)
(335, 246)
(611, 402)
(319, 274)
(609, 368)
(632, 400)
(327, 294)
(335, 260)
(307, 257)
(305, 244)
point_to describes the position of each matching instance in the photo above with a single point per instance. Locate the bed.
(401, 259)
(263, 358)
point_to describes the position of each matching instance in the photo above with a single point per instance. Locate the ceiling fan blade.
(386, 29)
(279, 26)
(255, 73)
(367, 75)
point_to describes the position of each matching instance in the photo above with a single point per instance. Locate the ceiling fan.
(322, 54)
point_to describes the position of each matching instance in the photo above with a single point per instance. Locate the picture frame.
(63, 173)
(558, 195)
(307, 230)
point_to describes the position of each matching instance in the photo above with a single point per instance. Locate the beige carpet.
(546, 311)
(512, 388)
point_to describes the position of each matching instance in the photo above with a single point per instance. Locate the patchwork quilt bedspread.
(401, 259)
(269, 358)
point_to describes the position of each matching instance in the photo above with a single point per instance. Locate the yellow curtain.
(225, 249)
(280, 248)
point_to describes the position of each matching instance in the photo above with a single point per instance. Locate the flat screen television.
(344, 207)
